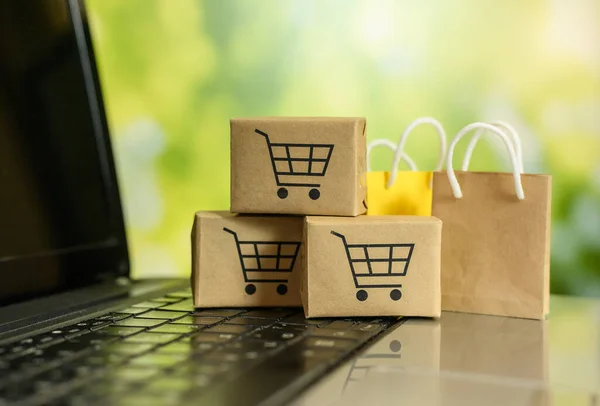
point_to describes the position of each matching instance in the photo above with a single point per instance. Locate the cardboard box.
(371, 266)
(298, 166)
(246, 261)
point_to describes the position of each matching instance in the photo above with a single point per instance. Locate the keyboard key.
(298, 327)
(253, 346)
(121, 330)
(103, 359)
(371, 327)
(112, 316)
(158, 360)
(250, 321)
(320, 354)
(129, 348)
(198, 320)
(201, 347)
(53, 377)
(108, 389)
(149, 304)
(171, 384)
(17, 392)
(82, 371)
(91, 324)
(176, 328)
(241, 359)
(280, 333)
(163, 315)
(74, 331)
(346, 334)
(218, 312)
(40, 340)
(185, 294)
(271, 314)
(68, 350)
(155, 398)
(228, 329)
(291, 328)
(177, 348)
(166, 299)
(329, 343)
(131, 374)
(90, 367)
(33, 361)
(135, 322)
(193, 369)
(16, 351)
(81, 397)
(212, 338)
(183, 306)
(134, 310)
(300, 319)
(97, 339)
(152, 338)
(248, 353)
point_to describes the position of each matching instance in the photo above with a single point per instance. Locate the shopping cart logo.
(266, 262)
(297, 165)
(377, 266)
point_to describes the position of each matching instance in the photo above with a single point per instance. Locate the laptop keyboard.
(162, 351)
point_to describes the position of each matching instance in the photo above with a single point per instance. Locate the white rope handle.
(515, 138)
(382, 142)
(400, 148)
(456, 191)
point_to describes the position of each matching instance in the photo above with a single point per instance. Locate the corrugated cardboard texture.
(332, 263)
(328, 164)
(496, 250)
(218, 269)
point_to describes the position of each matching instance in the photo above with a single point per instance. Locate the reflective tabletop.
(467, 359)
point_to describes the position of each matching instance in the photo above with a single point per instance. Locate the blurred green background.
(175, 71)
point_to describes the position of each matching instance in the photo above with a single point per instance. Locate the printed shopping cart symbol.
(266, 262)
(383, 266)
(300, 160)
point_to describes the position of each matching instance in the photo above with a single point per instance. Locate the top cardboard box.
(298, 166)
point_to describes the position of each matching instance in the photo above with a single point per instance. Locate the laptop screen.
(59, 210)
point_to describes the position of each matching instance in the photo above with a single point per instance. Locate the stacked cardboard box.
(300, 236)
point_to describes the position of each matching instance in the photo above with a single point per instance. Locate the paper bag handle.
(400, 148)
(515, 138)
(456, 191)
(382, 142)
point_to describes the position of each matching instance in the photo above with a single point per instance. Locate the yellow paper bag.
(402, 192)
(410, 193)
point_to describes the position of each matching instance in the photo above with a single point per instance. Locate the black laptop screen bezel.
(83, 265)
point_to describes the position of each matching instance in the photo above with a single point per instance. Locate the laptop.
(74, 328)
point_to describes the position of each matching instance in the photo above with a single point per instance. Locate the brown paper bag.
(298, 166)
(496, 243)
(246, 261)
